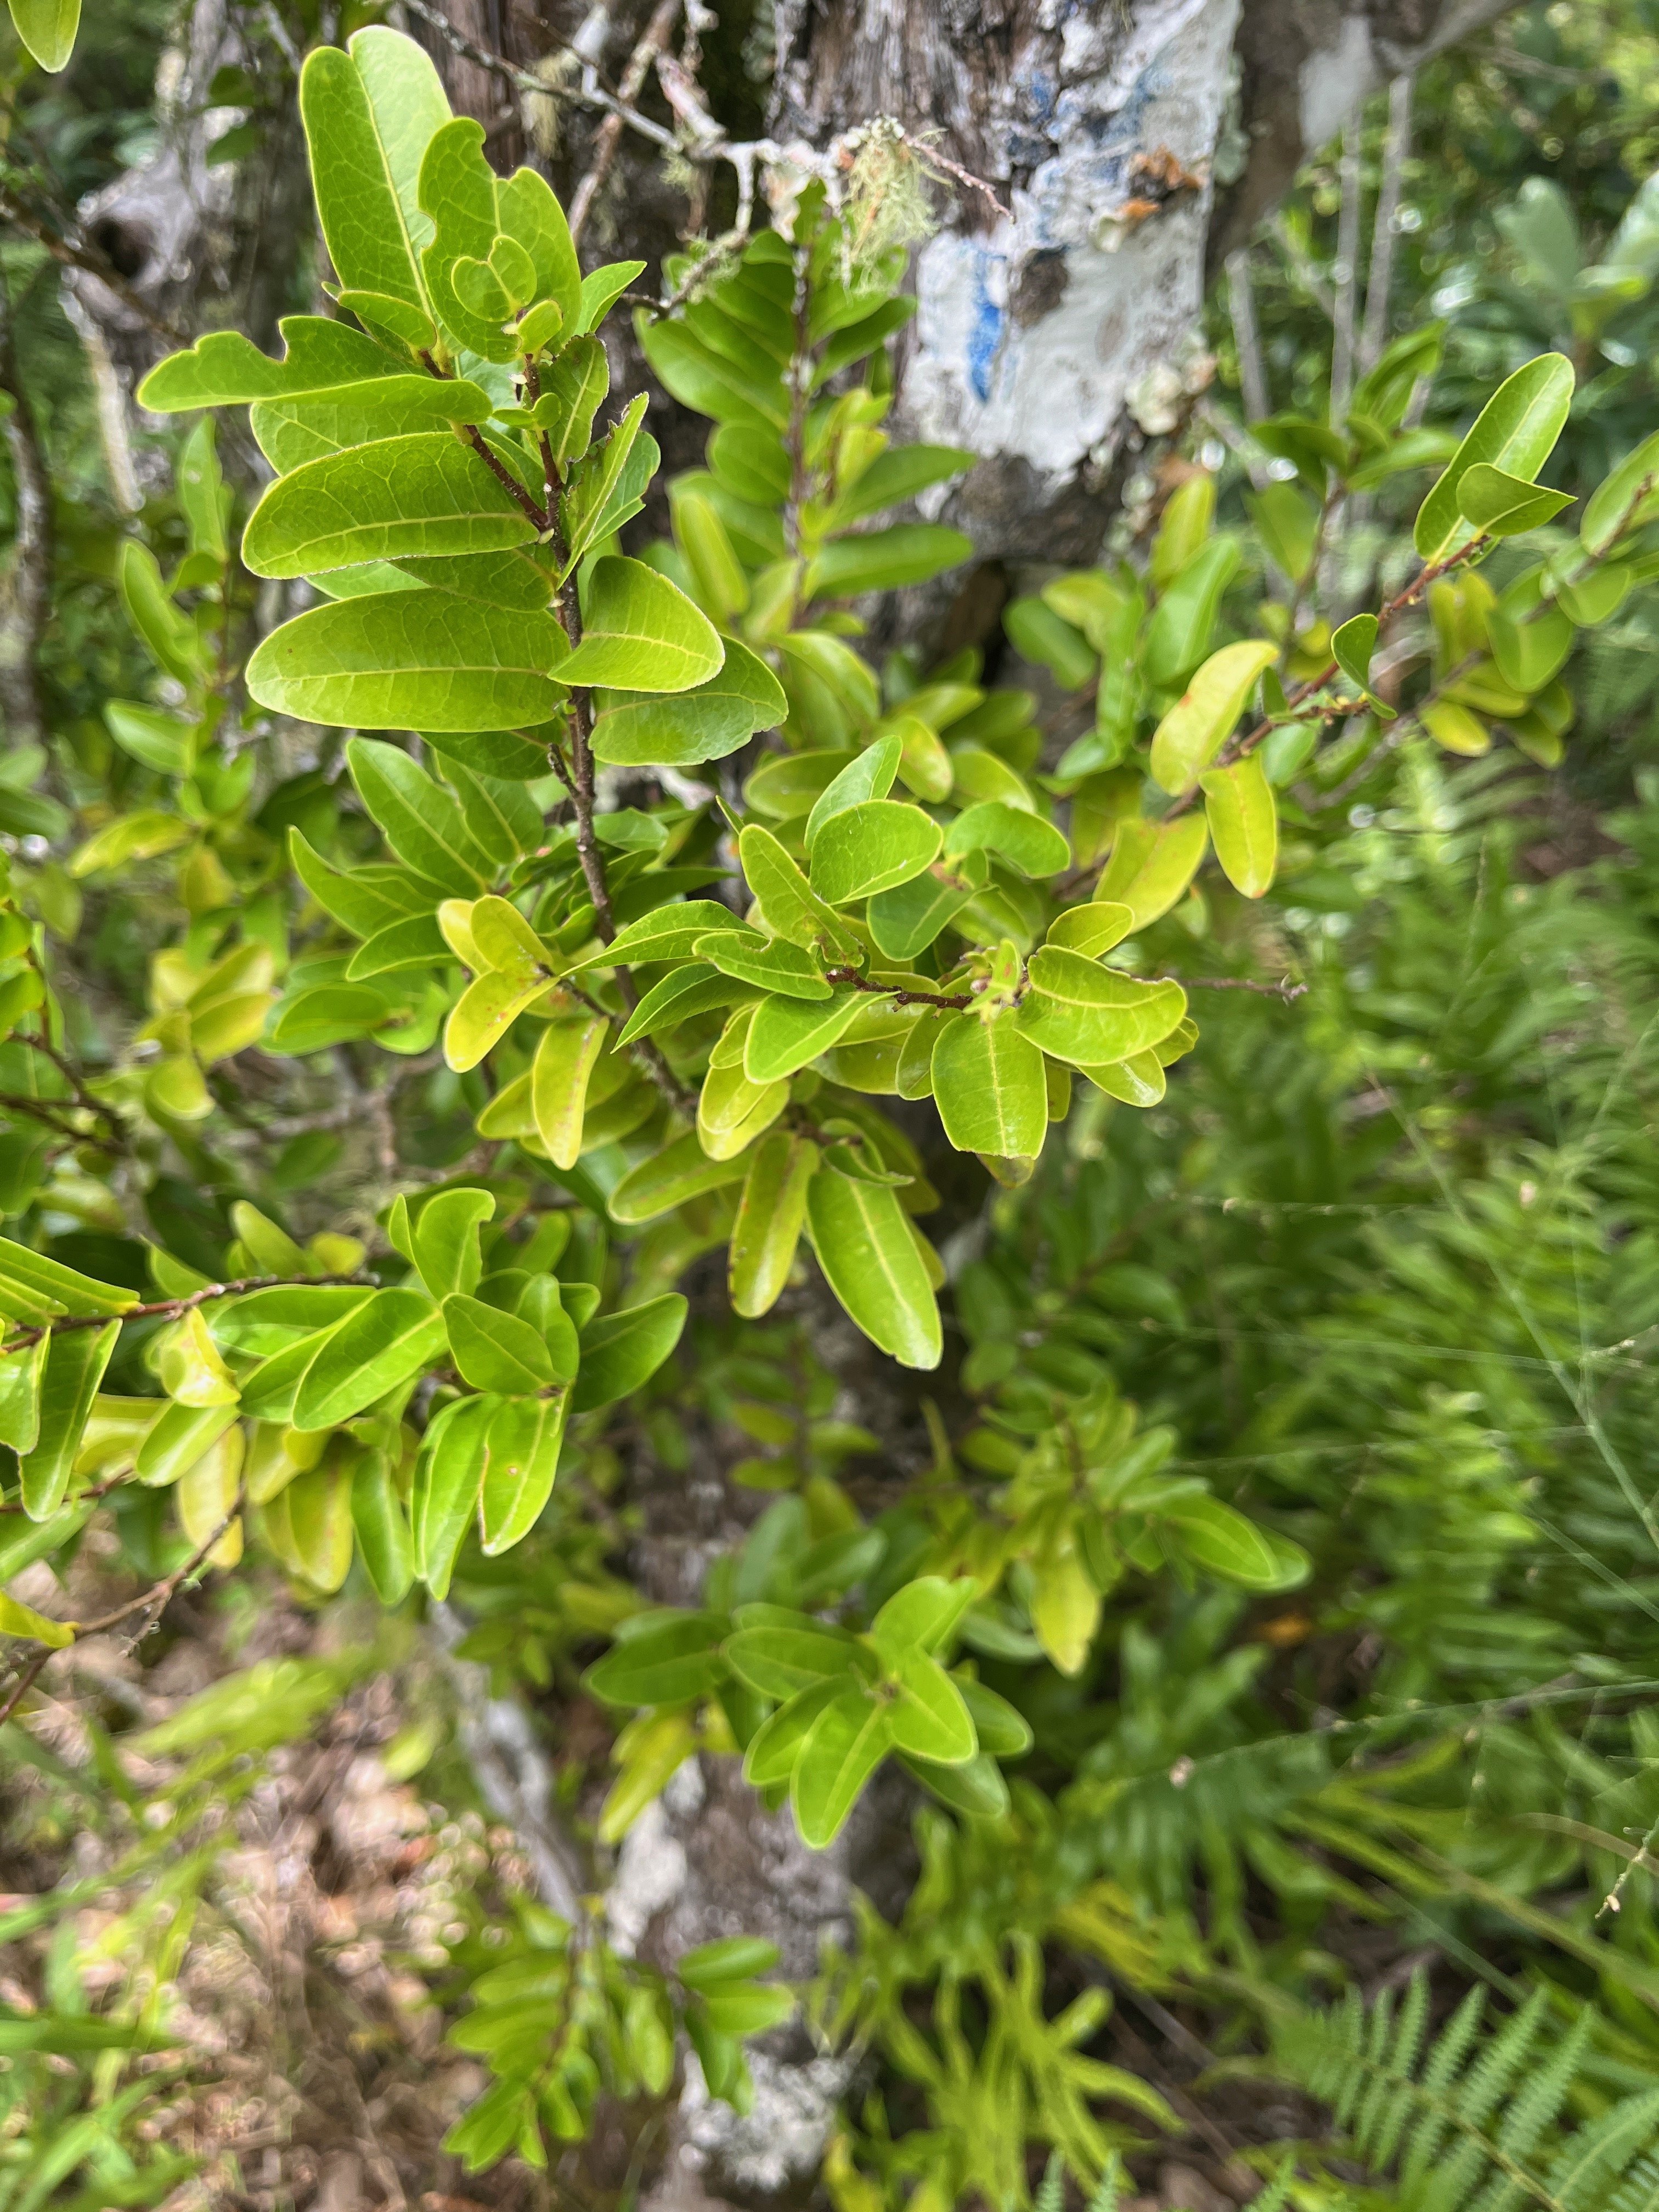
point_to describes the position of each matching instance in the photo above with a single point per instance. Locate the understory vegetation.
(1038, 1263)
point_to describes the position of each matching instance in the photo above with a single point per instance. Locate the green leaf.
(1244, 819)
(521, 1463)
(1025, 840)
(1515, 432)
(862, 1238)
(530, 215)
(640, 633)
(1092, 929)
(1039, 635)
(447, 1251)
(496, 1350)
(34, 1288)
(621, 1350)
(1089, 1015)
(17, 1619)
(788, 1034)
(872, 847)
(667, 932)
(390, 1337)
(412, 660)
(358, 203)
(976, 1789)
(386, 1543)
(868, 775)
(705, 723)
(424, 825)
(449, 1475)
(1352, 648)
(746, 2008)
(608, 484)
(898, 474)
(778, 1660)
(771, 1214)
(1178, 634)
(1502, 506)
(20, 1376)
(920, 1616)
(48, 29)
(457, 189)
(564, 1062)
(885, 560)
(906, 920)
(1621, 498)
(928, 1718)
(1201, 720)
(672, 1178)
(160, 740)
(722, 389)
(293, 431)
(419, 496)
(792, 908)
(771, 963)
(601, 287)
(695, 989)
(728, 1958)
(668, 1662)
(169, 639)
(1220, 1540)
(848, 1740)
(225, 369)
(1003, 1730)
(989, 1088)
(1152, 865)
(75, 1367)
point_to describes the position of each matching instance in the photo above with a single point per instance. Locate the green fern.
(1460, 2124)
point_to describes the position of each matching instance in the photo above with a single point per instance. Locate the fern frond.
(1051, 2190)
(1105, 2198)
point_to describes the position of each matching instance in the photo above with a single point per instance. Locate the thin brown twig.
(618, 110)
(652, 42)
(173, 1308)
(155, 1600)
(1284, 991)
(25, 1683)
(955, 999)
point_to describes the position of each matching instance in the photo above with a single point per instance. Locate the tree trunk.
(1132, 145)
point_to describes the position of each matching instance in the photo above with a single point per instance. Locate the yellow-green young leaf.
(1201, 720)
(1504, 506)
(363, 219)
(717, 577)
(558, 1082)
(484, 1013)
(21, 1374)
(925, 766)
(1454, 727)
(649, 1752)
(703, 724)
(680, 1172)
(928, 1717)
(17, 1619)
(1093, 929)
(412, 661)
(168, 638)
(1064, 1609)
(1029, 843)
(770, 963)
(770, 1216)
(190, 1368)
(1244, 819)
(448, 1482)
(989, 1088)
(34, 1288)
(48, 29)
(496, 1350)
(319, 1515)
(521, 1458)
(75, 1367)
(1187, 520)
(225, 369)
(1220, 1540)
(1089, 1015)
(384, 1542)
(1530, 652)
(412, 497)
(861, 1237)
(860, 850)
(868, 775)
(1515, 431)
(1151, 865)
(786, 1035)
(140, 837)
(640, 633)
(621, 1350)
(572, 388)
(391, 1336)
(1617, 503)
(446, 1240)
(272, 1250)
(177, 1439)
(206, 1496)
(671, 1663)
(1137, 1081)
(792, 908)
(531, 217)
(847, 1741)
(732, 1111)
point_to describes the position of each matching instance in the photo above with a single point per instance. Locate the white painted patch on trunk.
(998, 369)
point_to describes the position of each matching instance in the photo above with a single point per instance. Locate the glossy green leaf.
(1093, 929)
(386, 1543)
(848, 1740)
(449, 1475)
(928, 1718)
(640, 633)
(225, 369)
(907, 919)
(1502, 506)
(521, 1464)
(48, 29)
(1621, 498)
(564, 1062)
(20, 1376)
(1152, 865)
(1222, 1541)
(1244, 819)
(771, 1214)
(770, 963)
(388, 1338)
(1515, 431)
(445, 1241)
(666, 1663)
(74, 1368)
(681, 995)
(886, 560)
(412, 660)
(792, 908)
(1352, 648)
(496, 1350)
(424, 495)
(679, 1173)
(788, 1034)
(621, 1350)
(421, 822)
(1086, 1014)
(1025, 840)
(987, 1083)
(779, 1659)
(1200, 723)
(363, 219)
(705, 723)
(872, 847)
(862, 1239)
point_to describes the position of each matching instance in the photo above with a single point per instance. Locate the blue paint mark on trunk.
(985, 338)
